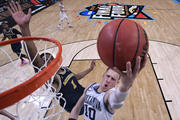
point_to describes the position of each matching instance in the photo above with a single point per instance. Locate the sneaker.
(69, 25)
(60, 27)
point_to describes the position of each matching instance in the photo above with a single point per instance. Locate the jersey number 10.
(89, 112)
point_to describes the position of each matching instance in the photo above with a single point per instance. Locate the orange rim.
(22, 90)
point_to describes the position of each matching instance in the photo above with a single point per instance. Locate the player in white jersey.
(94, 104)
(101, 100)
(63, 16)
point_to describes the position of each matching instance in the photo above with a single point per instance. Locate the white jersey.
(62, 13)
(62, 6)
(94, 107)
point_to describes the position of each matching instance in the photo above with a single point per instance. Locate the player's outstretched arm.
(84, 73)
(23, 21)
(115, 99)
(77, 108)
(20, 17)
(127, 79)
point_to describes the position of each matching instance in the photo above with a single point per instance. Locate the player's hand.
(19, 16)
(128, 77)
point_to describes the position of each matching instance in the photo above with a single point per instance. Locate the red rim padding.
(22, 90)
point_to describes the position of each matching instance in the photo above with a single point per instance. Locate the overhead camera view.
(89, 59)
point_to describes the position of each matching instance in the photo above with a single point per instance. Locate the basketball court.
(155, 93)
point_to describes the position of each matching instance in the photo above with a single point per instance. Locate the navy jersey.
(10, 34)
(70, 88)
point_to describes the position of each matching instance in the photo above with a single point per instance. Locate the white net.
(42, 104)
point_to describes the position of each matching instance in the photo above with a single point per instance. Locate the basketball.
(122, 40)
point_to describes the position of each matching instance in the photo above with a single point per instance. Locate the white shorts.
(63, 16)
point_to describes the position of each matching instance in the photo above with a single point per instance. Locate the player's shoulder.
(91, 86)
(14, 29)
(112, 89)
(65, 68)
(107, 93)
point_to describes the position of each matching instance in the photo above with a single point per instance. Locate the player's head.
(110, 79)
(47, 57)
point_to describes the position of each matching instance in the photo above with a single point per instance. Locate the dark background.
(25, 4)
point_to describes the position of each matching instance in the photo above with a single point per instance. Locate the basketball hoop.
(26, 86)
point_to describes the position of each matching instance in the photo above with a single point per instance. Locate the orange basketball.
(122, 40)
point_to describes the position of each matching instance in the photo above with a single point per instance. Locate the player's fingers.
(128, 68)
(29, 11)
(144, 61)
(14, 6)
(18, 6)
(11, 7)
(137, 65)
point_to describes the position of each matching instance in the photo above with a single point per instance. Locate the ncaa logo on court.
(112, 11)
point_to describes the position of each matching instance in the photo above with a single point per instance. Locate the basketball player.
(63, 16)
(11, 33)
(66, 82)
(101, 100)
(70, 87)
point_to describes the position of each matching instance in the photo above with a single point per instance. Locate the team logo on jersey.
(112, 11)
(94, 102)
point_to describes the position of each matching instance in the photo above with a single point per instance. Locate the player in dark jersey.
(11, 33)
(70, 88)
(68, 84)
(65, 81)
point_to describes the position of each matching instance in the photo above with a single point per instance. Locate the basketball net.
(44, 102)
